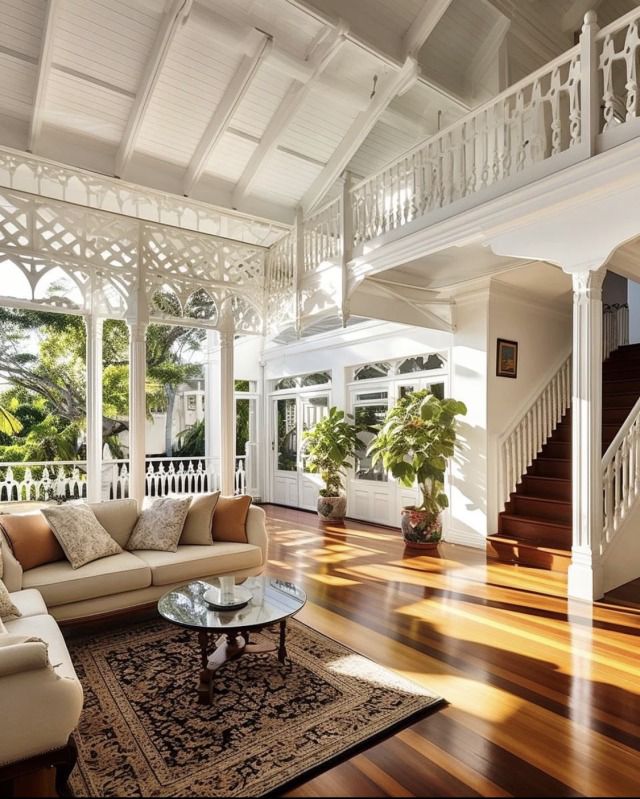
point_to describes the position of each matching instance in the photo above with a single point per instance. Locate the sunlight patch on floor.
(331, 579)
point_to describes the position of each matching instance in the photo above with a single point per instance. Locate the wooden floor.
(544, 698)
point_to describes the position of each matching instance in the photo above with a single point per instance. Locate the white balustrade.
(621, 475)
(522, 442)
(615, 328)
(240, 477)
(322, 234)
(618, 45)
(38, 481)
(532, 121)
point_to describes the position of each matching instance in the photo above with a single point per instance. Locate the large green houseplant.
(329, 449)
(414, 442)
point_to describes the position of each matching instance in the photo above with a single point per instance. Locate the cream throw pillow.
(7, 608)
(197, 525)
(159, 526)
(82, 538)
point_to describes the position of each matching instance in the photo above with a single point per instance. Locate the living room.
(319, 397)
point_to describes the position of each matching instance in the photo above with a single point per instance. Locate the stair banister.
(526, 436)
(620, 475)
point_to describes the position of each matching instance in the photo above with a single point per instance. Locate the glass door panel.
(287, 434)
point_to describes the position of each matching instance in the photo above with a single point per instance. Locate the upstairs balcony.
(578, 106)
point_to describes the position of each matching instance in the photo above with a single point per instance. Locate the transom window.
(303, 381)
(402, 366)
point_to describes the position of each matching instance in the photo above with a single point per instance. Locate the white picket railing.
(618, 45)
(322, 236)
(42, 480)
(621, 475)
(522, 442)
(615, 328)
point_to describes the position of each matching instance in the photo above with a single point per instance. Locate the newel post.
(585, 571)
(589, 83)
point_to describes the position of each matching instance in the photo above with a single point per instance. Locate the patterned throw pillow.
(160, 526)
(82, 538)
(7, 608)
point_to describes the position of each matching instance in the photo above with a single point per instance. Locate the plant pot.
(420, 529)
(332, 509)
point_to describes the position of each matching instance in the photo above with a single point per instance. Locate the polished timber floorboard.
(544, 698)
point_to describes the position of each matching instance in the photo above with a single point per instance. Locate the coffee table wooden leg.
(206, 677)
(282, 649)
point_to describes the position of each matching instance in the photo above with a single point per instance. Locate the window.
(287, 435)
(371, 370)
(191, 402)
(303, 381)
(421, 363)
(369, 411)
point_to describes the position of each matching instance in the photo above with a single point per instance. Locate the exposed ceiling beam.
(174, 17)
(379, 41)
(358, 132)
(219, 122)
(572, 18)
(421, 28)
(321, 57)
(44, 70)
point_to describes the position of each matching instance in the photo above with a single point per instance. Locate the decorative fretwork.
(39, 176)
(618, 57)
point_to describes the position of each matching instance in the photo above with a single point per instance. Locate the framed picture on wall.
(507, 358)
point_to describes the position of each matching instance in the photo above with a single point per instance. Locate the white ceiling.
(193, 97)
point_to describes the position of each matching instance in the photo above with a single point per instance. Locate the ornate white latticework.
(618, 45)
(36, 175)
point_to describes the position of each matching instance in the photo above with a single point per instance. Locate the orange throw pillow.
(230, 519)
(31, 539)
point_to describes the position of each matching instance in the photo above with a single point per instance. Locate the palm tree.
(10, 425)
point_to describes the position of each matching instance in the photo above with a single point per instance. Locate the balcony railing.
(39, 481)
(582, 103)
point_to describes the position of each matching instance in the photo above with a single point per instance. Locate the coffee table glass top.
(272, 600)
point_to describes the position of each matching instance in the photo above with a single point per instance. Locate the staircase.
(535, 527)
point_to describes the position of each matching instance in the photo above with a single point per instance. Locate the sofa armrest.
(257, 530)
(11, 568)
(21, 653)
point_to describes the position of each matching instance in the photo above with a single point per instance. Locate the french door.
(292, 414)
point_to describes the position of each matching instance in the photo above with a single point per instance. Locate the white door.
(292, 484)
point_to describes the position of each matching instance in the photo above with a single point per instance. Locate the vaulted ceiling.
(260, 105)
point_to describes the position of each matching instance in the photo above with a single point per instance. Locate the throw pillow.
(159, 526)
(7, 608)
(197, 525)
(230, 519)
(31, 539)
(81, 536)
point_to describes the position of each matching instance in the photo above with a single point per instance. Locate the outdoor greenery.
(330, 445)
(415, 441)
(43, 367)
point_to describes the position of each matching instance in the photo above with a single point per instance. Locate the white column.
(94, 408)
(137, 408)
(227, 414)
(585, 572)
(213, 421)
(347, 245)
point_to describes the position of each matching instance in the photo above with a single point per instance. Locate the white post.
(94, 407)
(589, 84)
(227, 414)
(213, 419)
(347, 245)
(137, 408)
(585, 572)
(298, 267)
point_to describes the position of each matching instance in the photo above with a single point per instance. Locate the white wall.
(543, 333)
(633, 298)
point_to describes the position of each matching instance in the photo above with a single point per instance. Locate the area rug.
(143, 733)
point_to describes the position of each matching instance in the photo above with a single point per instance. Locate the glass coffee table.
(224, 635)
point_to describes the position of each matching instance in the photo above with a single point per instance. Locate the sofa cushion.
(118, 517)
(190, 562)
(29, 603)
(80, 534)
(46, 628)
(159, 527)
(60, 584)
(199, 521)
(230, 519)
(31, 539)
(7, 608)
(10, 568)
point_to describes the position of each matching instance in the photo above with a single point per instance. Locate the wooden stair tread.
(529, 542)
(535, 520)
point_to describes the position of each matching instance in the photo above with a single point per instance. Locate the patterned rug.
(143, 733)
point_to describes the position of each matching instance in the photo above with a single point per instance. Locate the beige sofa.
(40, 695)
(132, 579)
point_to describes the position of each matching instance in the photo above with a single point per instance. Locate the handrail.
(609, 455)
(513, 89)
(618, 24)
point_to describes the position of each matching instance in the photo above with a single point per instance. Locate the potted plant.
(414, 442)
(330, 445)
